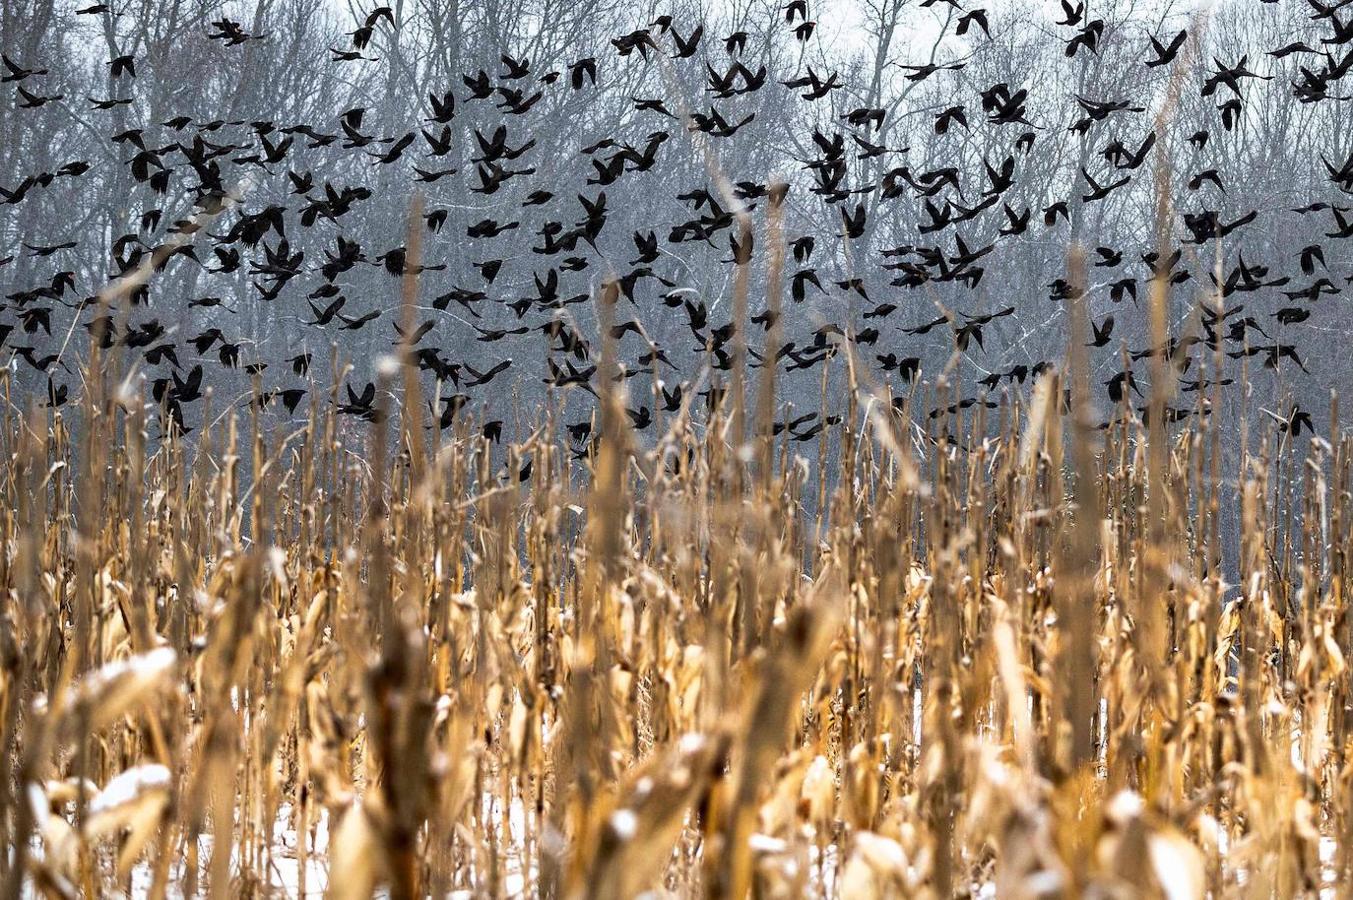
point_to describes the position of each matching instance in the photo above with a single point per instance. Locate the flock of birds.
(202, 158)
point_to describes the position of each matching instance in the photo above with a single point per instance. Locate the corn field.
(989, 652)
